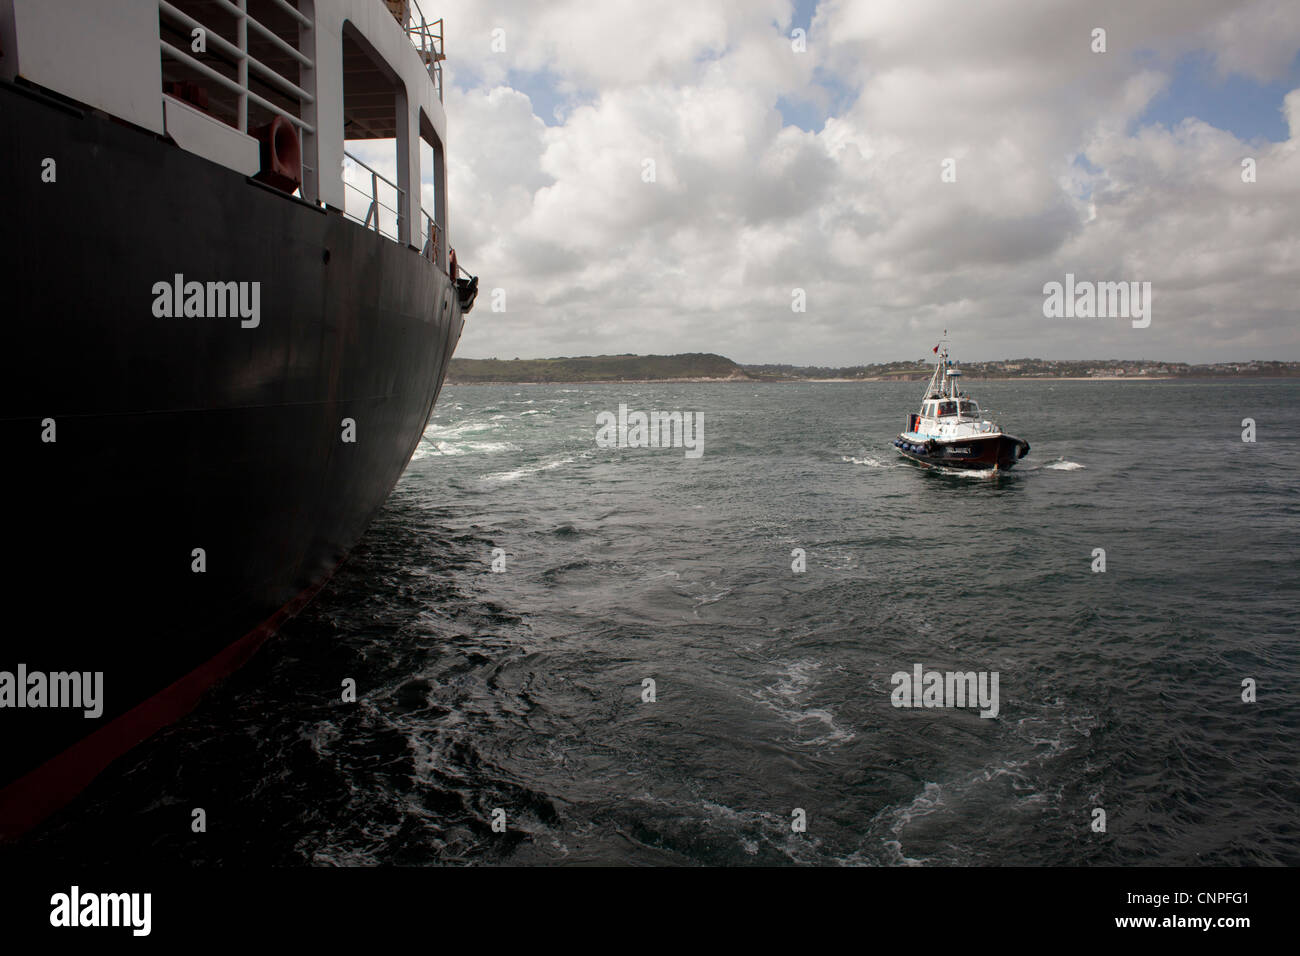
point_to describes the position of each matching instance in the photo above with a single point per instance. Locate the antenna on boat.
(940, 382)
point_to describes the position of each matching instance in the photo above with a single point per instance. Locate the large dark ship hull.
(180, 433)
(991, 453)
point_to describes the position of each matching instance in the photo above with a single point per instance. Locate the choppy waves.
(640, 658)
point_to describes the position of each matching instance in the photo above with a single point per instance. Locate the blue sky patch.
(1247, 109)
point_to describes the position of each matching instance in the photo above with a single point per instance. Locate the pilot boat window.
(947, 409)
(970, 409)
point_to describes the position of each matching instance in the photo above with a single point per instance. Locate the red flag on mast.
(935, 350)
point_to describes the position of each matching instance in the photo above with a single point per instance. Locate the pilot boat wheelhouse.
(230, 314)
(950, 431)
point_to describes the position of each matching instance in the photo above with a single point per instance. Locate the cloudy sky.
(821, 169)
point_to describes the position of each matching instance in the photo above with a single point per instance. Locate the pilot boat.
(951, 432)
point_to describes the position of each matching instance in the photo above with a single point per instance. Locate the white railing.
(244, 61)
(426, 35)
(376, 207)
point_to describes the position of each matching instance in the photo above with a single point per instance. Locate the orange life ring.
(452, 267)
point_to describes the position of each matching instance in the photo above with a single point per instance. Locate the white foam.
(1062, 465)
(785, 698)
(928, 801)
(464, 438)
(707, 598)
(453, 449)
(975, 474)
(518, 473)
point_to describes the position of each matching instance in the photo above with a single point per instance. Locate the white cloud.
(742, 209)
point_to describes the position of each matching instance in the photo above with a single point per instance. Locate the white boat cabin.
(946, 412)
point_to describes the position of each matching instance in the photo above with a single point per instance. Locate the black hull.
(181, 433)
(992, 453)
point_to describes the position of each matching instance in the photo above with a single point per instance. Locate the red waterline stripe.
(31, 798)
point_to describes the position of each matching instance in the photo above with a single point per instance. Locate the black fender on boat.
(467, 289)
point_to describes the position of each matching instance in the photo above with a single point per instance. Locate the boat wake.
(869, 462)
(1019, 778)
(788, 697)
(983, 474)
(467, 438)
(427, 448)
(1060, 464)
(518, 473)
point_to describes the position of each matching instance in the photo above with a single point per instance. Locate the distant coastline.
(709, 368)
(834, 381)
